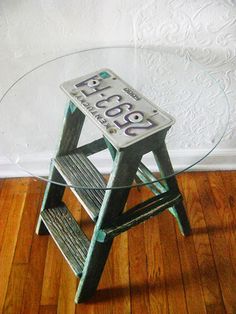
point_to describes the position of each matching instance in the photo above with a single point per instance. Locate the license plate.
(122, 113)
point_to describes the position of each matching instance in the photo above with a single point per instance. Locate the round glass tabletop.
(32, 109)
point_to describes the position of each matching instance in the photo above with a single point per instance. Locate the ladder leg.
(164, 164)
(112, 151)
(73, 123)
(124, 170)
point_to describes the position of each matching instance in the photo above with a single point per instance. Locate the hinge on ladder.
(138, 214)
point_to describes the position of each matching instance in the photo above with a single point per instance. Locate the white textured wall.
(207, 29)
(32, 32)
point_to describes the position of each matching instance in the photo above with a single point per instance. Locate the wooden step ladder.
(104, 202)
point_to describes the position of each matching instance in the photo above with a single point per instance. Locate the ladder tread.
(77, 170)
(68, 236)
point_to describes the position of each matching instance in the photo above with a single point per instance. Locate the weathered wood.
(68, 236)
(138, 214)
(125, 167)
(88, 185)
(146, 176)
(113, 152)
(91, 148)
(72, 126)
(164, 164)
(78, 171)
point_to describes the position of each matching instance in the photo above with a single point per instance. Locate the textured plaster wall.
(33, 32)
(207, 29)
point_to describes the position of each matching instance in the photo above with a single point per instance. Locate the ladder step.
(68, 236)
(77, 170)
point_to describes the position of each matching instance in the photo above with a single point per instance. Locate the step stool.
(131, 127)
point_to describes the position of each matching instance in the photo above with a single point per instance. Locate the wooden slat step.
(77, 170)
(68, 236)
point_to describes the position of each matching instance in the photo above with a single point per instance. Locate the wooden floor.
(151, 269)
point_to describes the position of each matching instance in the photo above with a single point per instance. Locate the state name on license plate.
(123, 114)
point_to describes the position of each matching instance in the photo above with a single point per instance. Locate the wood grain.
(224, 248)
(68, 284)
(151, 268)
(32, 291)
(155, 265)
(14, 203)
(137, 257)
(190, 271)
(172, 267)
(48, 309)
(28, 221)
(13, 300)
(204, 255)
(52, 274)
(120, 275)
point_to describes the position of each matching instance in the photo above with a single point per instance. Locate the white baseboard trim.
(220, 159)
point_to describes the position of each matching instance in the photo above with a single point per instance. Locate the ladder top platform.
(122, 114)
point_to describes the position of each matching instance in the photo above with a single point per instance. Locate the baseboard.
(221, 159)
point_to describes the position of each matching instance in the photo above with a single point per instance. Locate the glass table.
(33, 116)
(32, 109)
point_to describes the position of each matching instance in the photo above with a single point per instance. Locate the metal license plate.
(122, 113)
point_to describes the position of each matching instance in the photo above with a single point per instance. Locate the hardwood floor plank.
(209, 278)
(172, 266)
(155, 265)
(137, 256)
(120, 275)
(15, 203)
(228, 186)
(17, 279)
(28, 222)
(105, 290)
(224, 240)
(68, 286)
(9, 189)
(231, 178)
(34, 280)
(48, 309)
(5, 204)
(190, 271)
(52, 274)
(1, 185)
